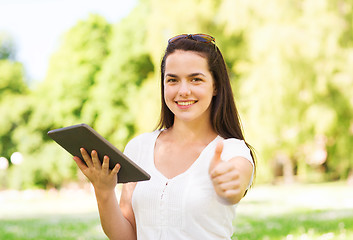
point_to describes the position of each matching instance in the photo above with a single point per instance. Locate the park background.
(290, 64)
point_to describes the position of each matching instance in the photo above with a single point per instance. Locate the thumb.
(217, 155)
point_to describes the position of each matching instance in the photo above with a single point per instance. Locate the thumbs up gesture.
(225, 177)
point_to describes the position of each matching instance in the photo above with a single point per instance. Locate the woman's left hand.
(225, 177)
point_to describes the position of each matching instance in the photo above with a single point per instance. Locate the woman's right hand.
(114, 223)
(101, 177)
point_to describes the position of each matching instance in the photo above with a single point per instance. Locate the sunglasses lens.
(202, 38)
(197, 37)
(173, 39)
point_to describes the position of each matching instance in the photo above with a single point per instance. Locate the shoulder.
(137, 142)
(235, 148)
(238, 148)
(141, 138)
(234, 142)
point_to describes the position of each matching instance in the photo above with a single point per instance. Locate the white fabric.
(186, 206)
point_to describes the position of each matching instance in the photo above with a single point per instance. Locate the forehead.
(186, 62)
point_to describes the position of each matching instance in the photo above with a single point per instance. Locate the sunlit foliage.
(290, 66)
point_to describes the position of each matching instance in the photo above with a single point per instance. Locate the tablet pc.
(74, 137)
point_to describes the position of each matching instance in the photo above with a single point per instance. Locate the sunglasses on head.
(197, 37)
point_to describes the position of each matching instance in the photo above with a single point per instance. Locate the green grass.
(298, 225)
(286, 212)
(317, 211)
(68, 214)
(52, 227)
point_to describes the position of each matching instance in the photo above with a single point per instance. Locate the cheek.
(206, 93)
(168, 95)
(169, 92)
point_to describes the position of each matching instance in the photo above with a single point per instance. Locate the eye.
(196, 79)
(171, 80)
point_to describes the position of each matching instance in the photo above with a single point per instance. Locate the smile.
(186, 103)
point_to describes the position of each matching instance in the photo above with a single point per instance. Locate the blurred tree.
(58, 101)
(13, 95)
(287, 87)
(289, 64)
(109, 107)
(11, 78)
(74, 67)
(7, 47)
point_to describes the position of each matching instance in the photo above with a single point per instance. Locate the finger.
(226, 177)
(80, 163)
(96, 162)
(231, 193)
(116, 169)
(86, 157)
(217, 155)
(105, 164)
(218, 151)
(222, 168)
(229, 186)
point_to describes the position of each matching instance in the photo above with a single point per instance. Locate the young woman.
(199, 163)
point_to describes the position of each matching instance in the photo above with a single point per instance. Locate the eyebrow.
(190, 75)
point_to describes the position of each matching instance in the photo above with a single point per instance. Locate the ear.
(214, 90)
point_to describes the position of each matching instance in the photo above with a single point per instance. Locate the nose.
(184, 89)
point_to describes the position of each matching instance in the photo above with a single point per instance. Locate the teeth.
(186, 103)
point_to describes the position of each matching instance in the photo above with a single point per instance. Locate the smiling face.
(188, 86)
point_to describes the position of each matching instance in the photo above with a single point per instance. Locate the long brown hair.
(224, 115)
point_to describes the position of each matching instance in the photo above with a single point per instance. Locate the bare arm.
(126, 204)
(114, 223)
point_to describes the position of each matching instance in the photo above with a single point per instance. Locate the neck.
(192, 131)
